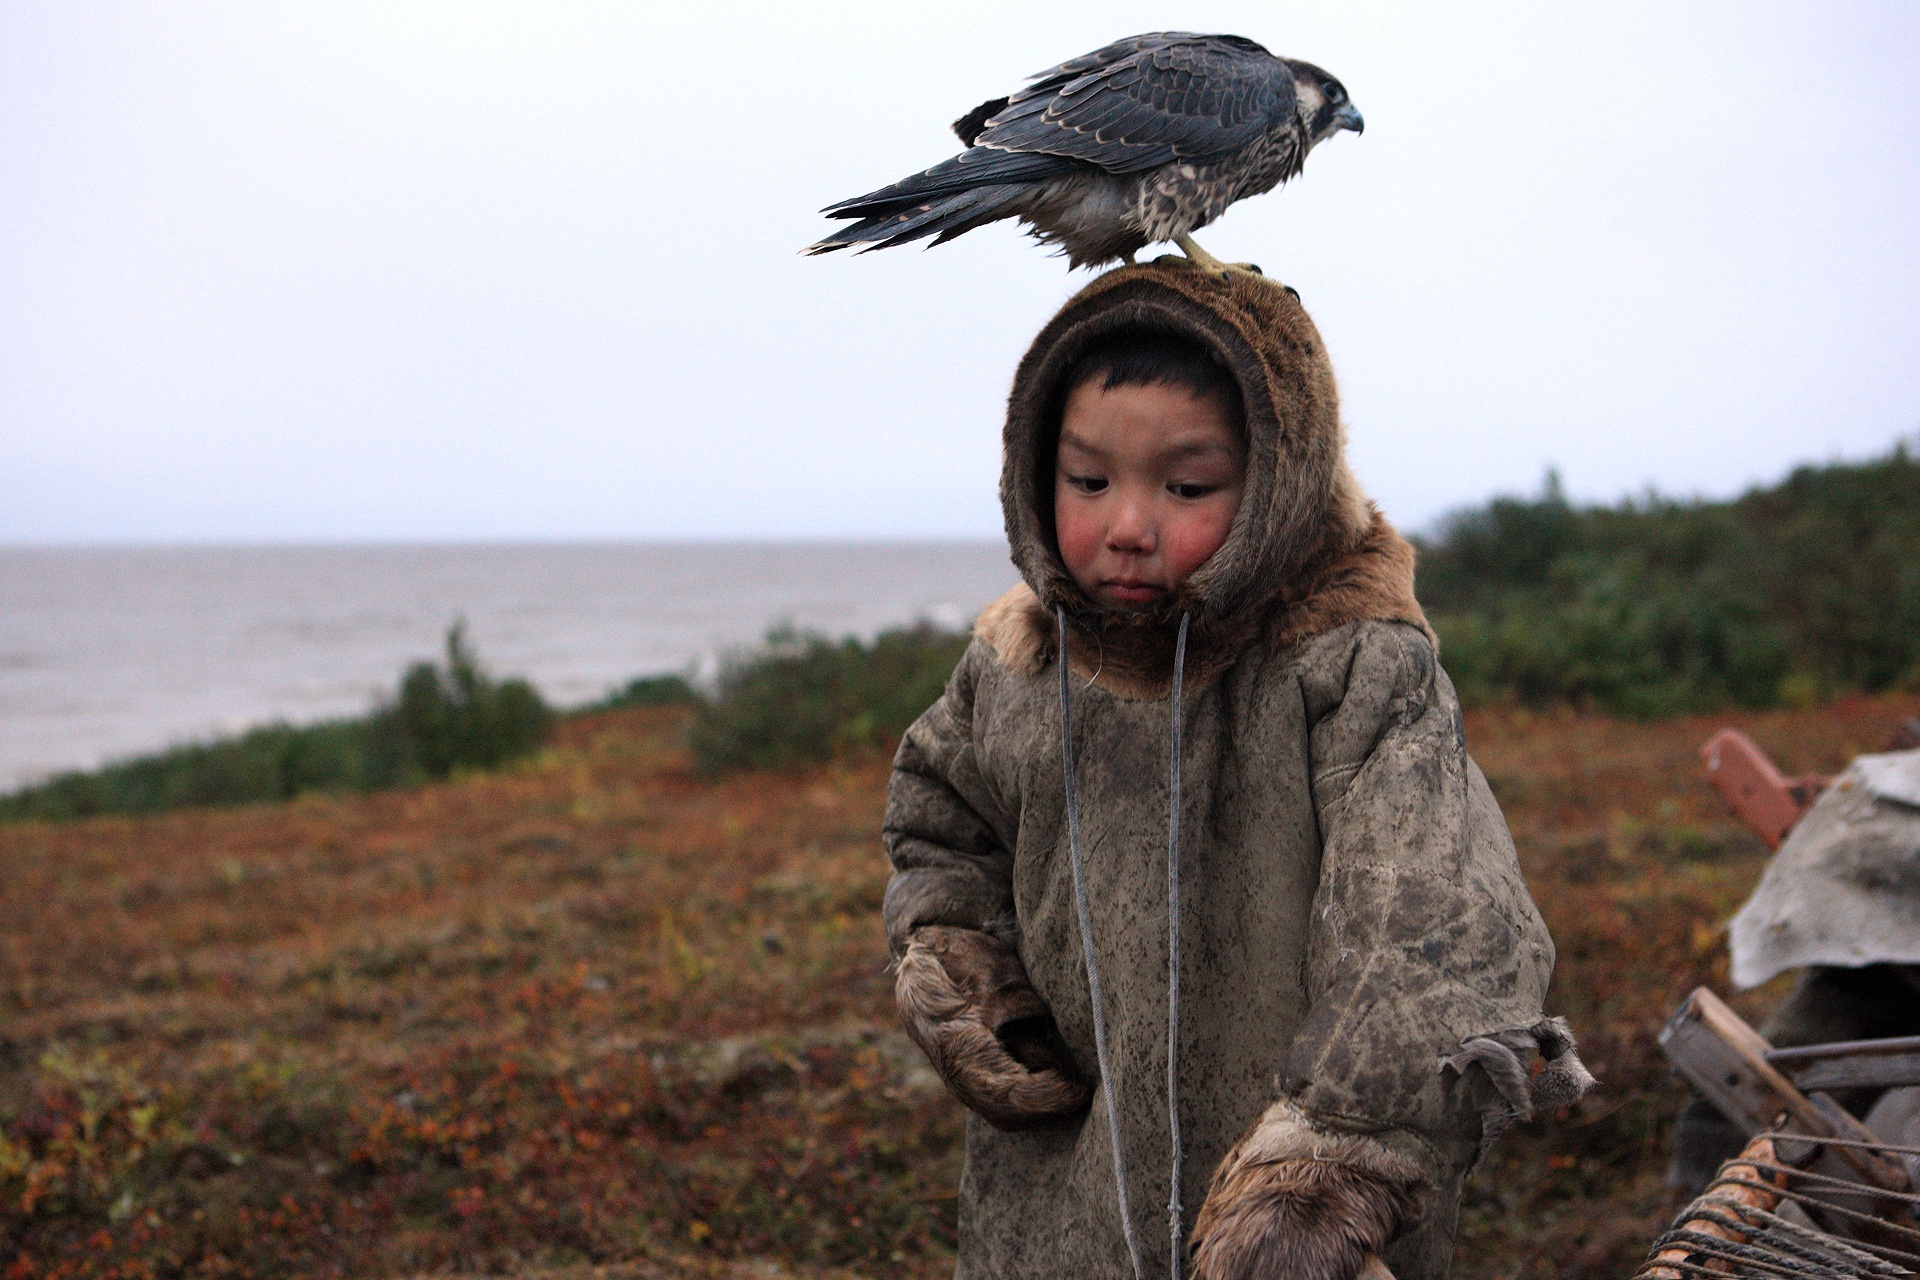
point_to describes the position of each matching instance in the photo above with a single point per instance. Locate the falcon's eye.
(1335, 93)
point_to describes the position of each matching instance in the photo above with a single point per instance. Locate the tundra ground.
(591, 1016)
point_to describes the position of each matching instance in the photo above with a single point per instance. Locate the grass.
(595, 1009)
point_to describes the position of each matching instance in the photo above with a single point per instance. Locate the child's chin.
(1131, 601)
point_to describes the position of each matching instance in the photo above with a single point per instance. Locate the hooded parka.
(1362, 969)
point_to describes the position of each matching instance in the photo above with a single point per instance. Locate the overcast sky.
(335, 271)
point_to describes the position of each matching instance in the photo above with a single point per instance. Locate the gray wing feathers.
(967, 128)
(1053, 77)
(1148, 101)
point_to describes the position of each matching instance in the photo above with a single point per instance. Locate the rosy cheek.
(1076, 532)
(1197, 537)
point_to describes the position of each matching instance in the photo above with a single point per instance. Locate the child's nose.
(1132, 529)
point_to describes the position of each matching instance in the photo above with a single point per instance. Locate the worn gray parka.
(1362, 968)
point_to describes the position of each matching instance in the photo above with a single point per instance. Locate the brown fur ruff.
(1306, 551)
(1372, 581)
(965, 1000)
(1295, 1201)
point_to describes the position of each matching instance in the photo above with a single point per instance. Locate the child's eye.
(1088, 484)
(1191, 490)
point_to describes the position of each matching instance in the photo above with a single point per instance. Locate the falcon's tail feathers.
(954, 196)
(948, 217)
(971, 169)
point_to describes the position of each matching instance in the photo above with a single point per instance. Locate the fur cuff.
(965, 1000)
(1295, 1200)
(1505, 1055)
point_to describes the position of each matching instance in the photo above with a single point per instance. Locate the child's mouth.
(1126, 591)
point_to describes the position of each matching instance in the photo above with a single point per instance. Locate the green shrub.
(439, 721)
(455, 718)
(1655, 607)
(274, 762)
(802, 697)
(649, 691)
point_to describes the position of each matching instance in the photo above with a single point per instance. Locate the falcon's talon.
(1198, 257)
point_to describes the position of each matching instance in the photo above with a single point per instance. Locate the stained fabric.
(1352, 913)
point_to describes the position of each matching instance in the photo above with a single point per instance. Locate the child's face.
(1146, 482)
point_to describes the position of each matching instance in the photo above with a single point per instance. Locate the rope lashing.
(1765, 1244)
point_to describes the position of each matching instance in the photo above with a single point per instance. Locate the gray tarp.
(1845, 887)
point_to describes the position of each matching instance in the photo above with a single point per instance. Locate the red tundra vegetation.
(591, 1015)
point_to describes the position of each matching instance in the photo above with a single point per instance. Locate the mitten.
(966, 1001)
(1289, 1200)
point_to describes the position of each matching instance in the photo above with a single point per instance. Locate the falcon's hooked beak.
(1348, 117)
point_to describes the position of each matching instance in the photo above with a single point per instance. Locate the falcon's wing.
(1143, 102)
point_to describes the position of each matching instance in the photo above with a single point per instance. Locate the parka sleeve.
(963, 994)
(951, 865)
(1427, 961)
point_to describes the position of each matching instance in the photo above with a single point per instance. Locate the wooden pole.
(1759, 1150)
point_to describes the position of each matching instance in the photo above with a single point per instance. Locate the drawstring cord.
(1086, 945)
(1173, 950)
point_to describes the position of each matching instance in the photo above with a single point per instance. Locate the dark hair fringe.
(1137, 357)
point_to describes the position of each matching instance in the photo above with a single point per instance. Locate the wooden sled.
(1815, 1194)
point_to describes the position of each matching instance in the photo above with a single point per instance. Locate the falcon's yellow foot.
(1207, 262)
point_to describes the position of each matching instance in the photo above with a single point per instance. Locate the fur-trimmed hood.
(1306, 552)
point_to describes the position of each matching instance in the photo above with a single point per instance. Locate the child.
(1313, 989)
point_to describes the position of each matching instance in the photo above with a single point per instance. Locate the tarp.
(1844, 888)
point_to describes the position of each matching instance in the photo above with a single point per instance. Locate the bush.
(649, 691)
(439, 721)
(803, 697)
(1655, 607)
(274, 762)
(456, 718)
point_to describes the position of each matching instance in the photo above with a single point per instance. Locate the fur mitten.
(1290, 1200)
(966, 1001)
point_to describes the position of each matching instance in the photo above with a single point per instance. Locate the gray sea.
(107, 652)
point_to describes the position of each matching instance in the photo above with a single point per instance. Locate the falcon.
(1139, 143)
